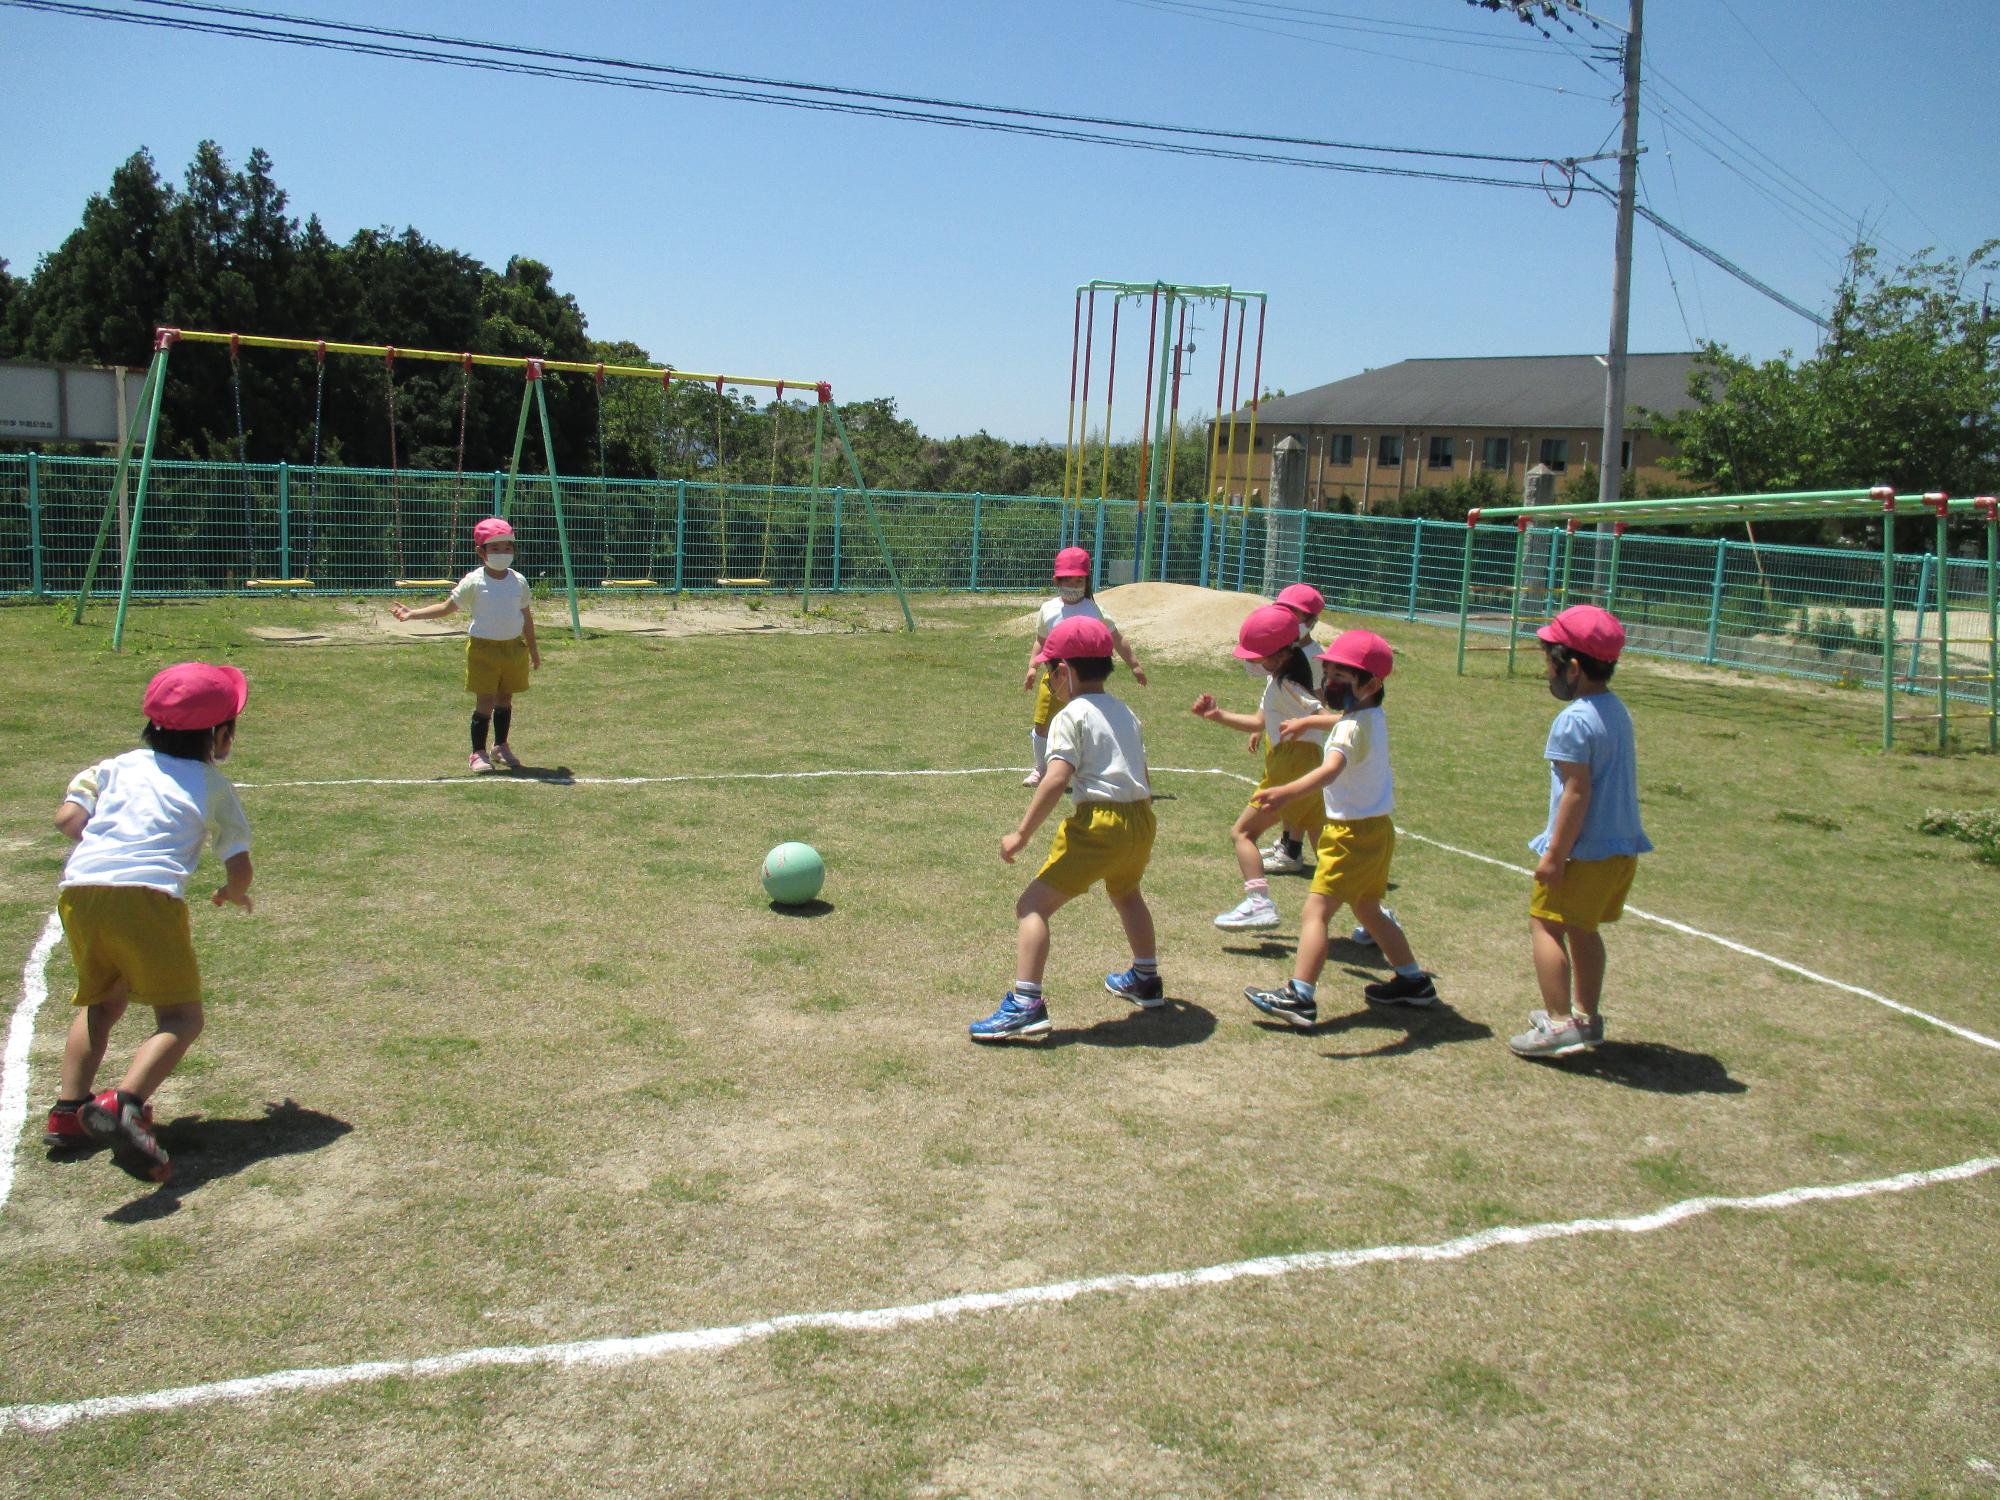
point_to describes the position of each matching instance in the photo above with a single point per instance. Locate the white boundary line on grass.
(610, 1352)
(20, 1034)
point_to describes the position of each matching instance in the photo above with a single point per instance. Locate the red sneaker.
(119, 1121)
(65, 1130)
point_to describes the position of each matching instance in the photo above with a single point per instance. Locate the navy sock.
(479, 724)
(1146, 968)
(503, 720)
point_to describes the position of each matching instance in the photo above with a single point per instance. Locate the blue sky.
(938, 266)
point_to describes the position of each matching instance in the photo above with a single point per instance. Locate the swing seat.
(630, 583)
(743, 583)
(426, 583)
(277, 583)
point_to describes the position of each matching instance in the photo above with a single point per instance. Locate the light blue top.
(1597, 732)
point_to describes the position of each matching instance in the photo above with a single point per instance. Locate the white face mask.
(499, 562)
(1069, 593)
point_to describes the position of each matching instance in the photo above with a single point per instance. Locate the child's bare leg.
(482, 703)
(1552, 967)
(1388, 936)
(1319, 910)
(161, 1052)
(1249, 858)
(1038, 903)
(89, 1035)
(1586, 956)
(1138, 919)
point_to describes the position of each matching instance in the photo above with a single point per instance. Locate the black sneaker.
(118, 1120)
(1402, 989)
(1287, 1004)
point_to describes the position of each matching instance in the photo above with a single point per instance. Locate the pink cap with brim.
(1588, 630)
(1302, 597)
(1363, 650)
(1072, 562)
(490, 529)
(1269, 629)
(195, 695)
(1073, 639)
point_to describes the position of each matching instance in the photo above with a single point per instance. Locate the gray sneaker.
(1543, 1040)
(1593, 1028)
(1278, 862)
(1252, 913)
(1363, 936)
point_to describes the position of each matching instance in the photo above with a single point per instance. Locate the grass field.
(512, 1064)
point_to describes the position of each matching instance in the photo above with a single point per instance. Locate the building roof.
(1524, 390)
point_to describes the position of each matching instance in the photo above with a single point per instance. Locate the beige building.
(1424, 422)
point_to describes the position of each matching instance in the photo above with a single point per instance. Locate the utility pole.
(1611, 451)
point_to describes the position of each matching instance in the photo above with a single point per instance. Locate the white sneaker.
(1251, 913)
(1277, 862)
(1363, 936)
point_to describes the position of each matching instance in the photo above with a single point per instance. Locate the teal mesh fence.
(212, 528)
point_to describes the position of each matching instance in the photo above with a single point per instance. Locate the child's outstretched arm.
(1568, 823)
(1319, 776)
(236, 887)
(1204, 707)
(1054, 783)
(435, 611)
(528, 634)
(1291, 729)
(1124, 649)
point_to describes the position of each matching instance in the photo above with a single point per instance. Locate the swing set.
(1167, 304)
(532, 371)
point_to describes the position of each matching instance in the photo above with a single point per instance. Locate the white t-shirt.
(495, 604)
(1099, 736)
(1364, 788)
(1054, 612)
(1285, 699)
(149, 814)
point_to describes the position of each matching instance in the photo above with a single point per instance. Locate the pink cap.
(1075, 638)
(1587, 629)
(489, 530)
(1362, 650)
(195, 695)
(1302, 597)
(1072, 562)
(1269, 629)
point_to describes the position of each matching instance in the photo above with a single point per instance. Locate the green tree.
(1904, 390)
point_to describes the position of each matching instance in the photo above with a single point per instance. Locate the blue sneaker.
(1016, 1020)
(1143, 990)
(1287, 1004)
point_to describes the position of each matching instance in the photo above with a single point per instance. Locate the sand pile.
(1170, 621)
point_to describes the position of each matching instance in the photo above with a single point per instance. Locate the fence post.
(1416, 555)
(680, 531)
(1923, 605)
(35, 522)
(973, 584)
(498, 476)
(1611, 586)
(838, 496)
(1887, 496)
(284, 520)
(1514, 609)
(1166, 527)
(1097, 552)
(1207, 538)
(1715, 601)
(1939, 502)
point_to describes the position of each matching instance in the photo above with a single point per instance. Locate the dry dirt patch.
(356, 623)
(1170, 621)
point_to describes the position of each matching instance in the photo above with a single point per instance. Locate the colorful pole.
(1143, 540)
(1887, 496)
(138, 508)
(1514, 594)
(155, 378)
(1110, 387)
(1938, 503)
(1465, 586)
(555, 496)
(1069, 427)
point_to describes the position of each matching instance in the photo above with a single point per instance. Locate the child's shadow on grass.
(1178, 1023)
(1653, 1067)
(204, 1150)
(1407, 1029)
(554, 775)
(1340, 949)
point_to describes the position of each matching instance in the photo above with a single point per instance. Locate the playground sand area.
(356, 622)
(1169, 621)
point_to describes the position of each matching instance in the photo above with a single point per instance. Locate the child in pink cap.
(1097, 755)
(1357, 841)
(1073, 601)
(500, 647)
(1287, 852)
(1269, 642)
(1590, 849)
(139, 821)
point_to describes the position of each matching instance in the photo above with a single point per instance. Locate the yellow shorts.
(496, 666)
(1592, 891)
(1045, 703)
(1107, 841)
(1288, 761)
(1354, 859)
(131, 933)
